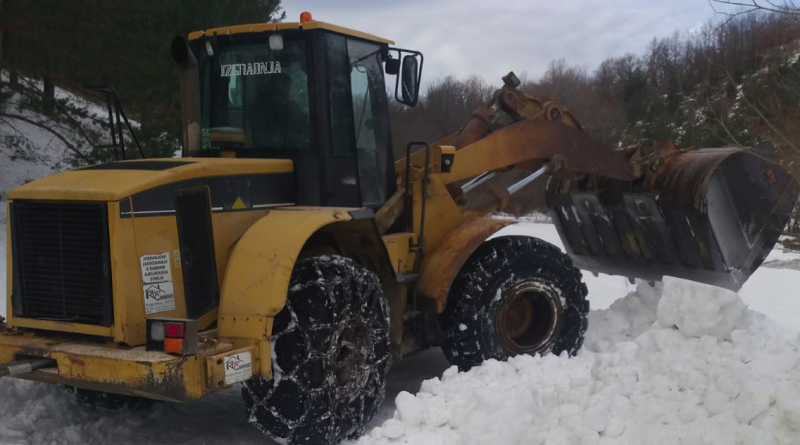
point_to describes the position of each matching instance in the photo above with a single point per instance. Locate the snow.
(697, 309)
(725, 375)
(678, 362)
(714, 379)
(38, 152)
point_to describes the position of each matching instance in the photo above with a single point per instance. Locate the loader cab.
(311, 92)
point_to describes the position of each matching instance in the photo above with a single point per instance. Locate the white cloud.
(463, 37)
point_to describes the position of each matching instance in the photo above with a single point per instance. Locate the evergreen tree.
(124, 44)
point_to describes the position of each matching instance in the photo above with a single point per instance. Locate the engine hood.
(117, 180)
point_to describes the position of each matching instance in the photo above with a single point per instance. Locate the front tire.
(330, 356)
(515, 295)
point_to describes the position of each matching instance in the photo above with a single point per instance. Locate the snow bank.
(693, 366)
(697, 309)
(47, 414)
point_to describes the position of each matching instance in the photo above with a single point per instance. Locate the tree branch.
(58, 135)
(788, 7)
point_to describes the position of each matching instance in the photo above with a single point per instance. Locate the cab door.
(372, 138)
(355, 143)
(339, 184)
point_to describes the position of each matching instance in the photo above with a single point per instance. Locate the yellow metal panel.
(258, 271)
(262, 27)
(443, 264)
(255, 27)
(228, 228)
(252, 327)
(314, 24)
(121, 370)
(441, 214)
(265, 351)
(154, 235)
(114, 185)
(129, 324)
(418, 157)
(399, 254)
(75, 328)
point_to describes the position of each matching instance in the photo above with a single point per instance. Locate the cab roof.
(263, 27)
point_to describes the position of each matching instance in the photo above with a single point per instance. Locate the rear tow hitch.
(25, 366)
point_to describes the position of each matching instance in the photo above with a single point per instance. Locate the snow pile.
(693, 366)
(700, 309)
(58, 418)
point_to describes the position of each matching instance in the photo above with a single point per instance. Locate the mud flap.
(708, 215)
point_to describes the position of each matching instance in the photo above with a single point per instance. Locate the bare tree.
(733, 8)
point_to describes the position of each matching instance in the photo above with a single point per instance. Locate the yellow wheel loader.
(288, 252)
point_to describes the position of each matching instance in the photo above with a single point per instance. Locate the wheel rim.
(529, 318)
(350, 355)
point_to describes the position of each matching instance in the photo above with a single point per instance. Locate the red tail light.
(175, 336)
(174, 329)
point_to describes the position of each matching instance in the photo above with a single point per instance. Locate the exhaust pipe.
(20, 367)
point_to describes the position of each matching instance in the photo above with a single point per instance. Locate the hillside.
(34, 144)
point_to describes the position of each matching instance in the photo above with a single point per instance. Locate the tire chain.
(462, 344)
(346, 423)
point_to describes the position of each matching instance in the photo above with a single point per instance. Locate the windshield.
(256, 98)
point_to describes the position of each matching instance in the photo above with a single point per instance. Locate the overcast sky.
(492, 37)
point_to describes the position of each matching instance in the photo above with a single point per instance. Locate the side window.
(339, 94)
(371, 121)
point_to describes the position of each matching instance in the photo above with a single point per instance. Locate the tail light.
(175, 336)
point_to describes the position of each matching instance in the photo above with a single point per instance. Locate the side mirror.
(407, 66)
(409, 80)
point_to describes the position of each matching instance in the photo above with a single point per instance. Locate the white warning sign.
(159, 297)
(238, 368)
(156, 268)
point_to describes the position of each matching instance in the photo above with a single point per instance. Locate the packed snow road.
(725, 375)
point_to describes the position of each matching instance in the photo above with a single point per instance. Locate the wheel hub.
(528, 318)
(350, 355)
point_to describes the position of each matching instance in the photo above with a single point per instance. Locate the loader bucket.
(708, 215)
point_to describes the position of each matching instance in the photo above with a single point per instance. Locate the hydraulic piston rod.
(513, 188)
(476, 181)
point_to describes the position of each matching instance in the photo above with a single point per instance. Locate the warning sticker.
(156, 268)
(238, 368)
(159, 297)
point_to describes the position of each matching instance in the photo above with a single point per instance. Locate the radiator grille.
(61, 262)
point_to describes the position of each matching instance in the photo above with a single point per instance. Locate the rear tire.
(515, 295)
(330, 356)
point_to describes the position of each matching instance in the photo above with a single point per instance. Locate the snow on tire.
(515, 295)
(330, 356)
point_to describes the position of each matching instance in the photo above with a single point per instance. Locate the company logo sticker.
(158, 297)
(238, 368)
